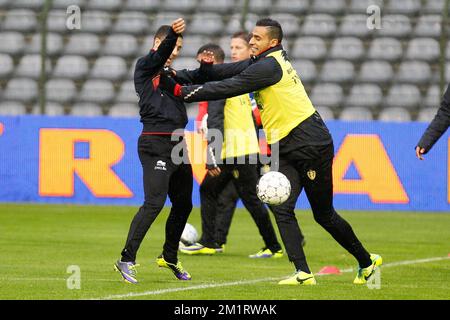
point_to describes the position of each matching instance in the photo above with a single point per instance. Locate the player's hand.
(207, 57)
(179, 26)
(214, 172)
(419, 153)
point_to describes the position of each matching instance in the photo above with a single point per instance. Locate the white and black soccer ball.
(273, 188)
(189, 235)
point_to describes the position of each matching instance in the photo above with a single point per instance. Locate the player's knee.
(324, 216)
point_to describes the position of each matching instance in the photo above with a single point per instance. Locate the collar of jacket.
(267, 51)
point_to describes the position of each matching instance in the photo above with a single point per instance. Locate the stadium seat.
(327, 95)
(30, 66)
(185, 63)
(433, 6)
(395, 25)
(349, 48)
(60, 90)
(447, 72)
(51, 109)
(179, 5)
(354, 25)
(147, 46)
(376, 71)
(83, 44)
(334, 7)
(4, 4)
(337, 71)
(127, 93)
(191, 45)
(294, 7)
(125, 110)
(96, 22)
(22, 20)
(123, 45)
(306, 70)
(109, 67)
(21, 89)
(54, 44)
(325, 113)
(130, 74)
(164, 17)
(12, 43)
(260, 7)
(86, 110)
(423, 49)
(111, 5)
(71, 67)
(365, 95)
(403, 95)
(312, 48)
(64, 4)
(6, 65)
(219, 6)
(428, 26)
(288, 22)
(206, 24)
(432, 98)
(415, 72)
(224, 43)
(132, 22)
(234, 24)
(427, 114)
(385, 49)
(12, 108)
(360, 6)
(97, 91)
(395, 114)
(407, 7)
(27, 4)
(356, 114)
(321, 25)
(142, 5)
(56, 21)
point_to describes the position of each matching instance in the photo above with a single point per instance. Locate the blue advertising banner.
(94, 161)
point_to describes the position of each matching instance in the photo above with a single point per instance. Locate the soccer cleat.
(127, 270)
(198, 248)
(299, 278)
(364, 274)
(177, 269)
(267, 253)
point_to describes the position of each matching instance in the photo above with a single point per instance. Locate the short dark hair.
(241, 35)
(275, 30)
(219, 54)
(163, 31)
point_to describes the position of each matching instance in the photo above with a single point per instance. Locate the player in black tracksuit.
(437, 127)
(161, 114)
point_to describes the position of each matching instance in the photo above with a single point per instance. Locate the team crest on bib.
(311, 174)
(235, 174)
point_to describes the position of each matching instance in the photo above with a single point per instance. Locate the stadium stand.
(392, 73)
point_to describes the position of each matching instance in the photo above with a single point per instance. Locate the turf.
(39, 242)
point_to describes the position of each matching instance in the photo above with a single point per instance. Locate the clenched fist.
(179, 26)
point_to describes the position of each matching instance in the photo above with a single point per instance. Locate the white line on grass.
(236, 283)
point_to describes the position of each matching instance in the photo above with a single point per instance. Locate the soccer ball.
(273, 188)
(189, 235)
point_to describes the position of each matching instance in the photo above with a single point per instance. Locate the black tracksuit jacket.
(439, 124)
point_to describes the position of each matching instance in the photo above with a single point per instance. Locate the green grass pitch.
(39, 242)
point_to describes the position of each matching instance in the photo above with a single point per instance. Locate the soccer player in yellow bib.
(305, 145)
(235, 141)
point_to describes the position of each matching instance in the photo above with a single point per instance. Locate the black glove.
(168, 84)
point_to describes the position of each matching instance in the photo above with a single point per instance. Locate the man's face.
(240, 50)
(175, 52)
(261, 40)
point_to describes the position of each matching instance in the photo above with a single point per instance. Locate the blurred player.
(233, 117)
(305, 145)
(437, 127)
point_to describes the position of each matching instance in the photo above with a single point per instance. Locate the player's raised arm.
(163, 47)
